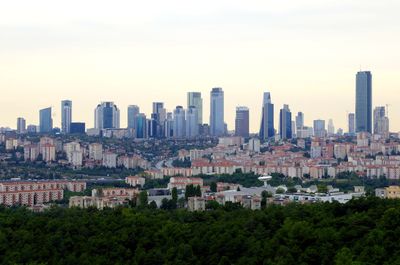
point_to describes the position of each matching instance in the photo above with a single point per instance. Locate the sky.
(305, 52)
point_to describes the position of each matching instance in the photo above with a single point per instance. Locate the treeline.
(364, 231)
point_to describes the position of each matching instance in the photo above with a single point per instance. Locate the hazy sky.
(305, 52)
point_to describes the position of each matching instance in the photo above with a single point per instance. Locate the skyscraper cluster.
(188, 122)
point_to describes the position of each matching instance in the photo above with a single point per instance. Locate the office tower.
(45, 120)
(152, 126)
(106, 116)
(217, 123)
(364, 102)
(32, 128)
(331, 128)
(133, 112)
(66, 116)
(157, 120)
(21, 125)
(319, 128)
(169, 126)
(179, 122)
(141, 126)
(192, 122)
(381, 122)
(294, 131)
(300, 120)
(285, 123)
(78, 128)
(159, 111)
(242, 122)
(352, 123)
(267, 129)
(194, 99)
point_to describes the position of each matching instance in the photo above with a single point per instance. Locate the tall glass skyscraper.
(192, 125)
(66, 116)
(133, 112)
(45, 120)
(364, 102)
(300, 120)
(352, 123)
(141, 126)
(267, 129)
(179, 122)
(242, 122)
(106, 116)
(194, 99)
(158, 117)
(319, 128)
(285, 123)
(217, 123)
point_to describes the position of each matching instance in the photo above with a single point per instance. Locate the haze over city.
(306, 53)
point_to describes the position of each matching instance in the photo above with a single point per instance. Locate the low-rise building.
(196, 204)
(135, 181)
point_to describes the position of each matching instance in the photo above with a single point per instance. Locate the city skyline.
(160, 117)
(299, 51)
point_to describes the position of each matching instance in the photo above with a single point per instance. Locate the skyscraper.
(194, 99)
(21, 125)
(331, 128)
(45, 120)
(133, 112)
(192, 125)
(159, 110)
(106, 116)
(300, 120)
(179, 122)
(319, 128)
(242, 122)
(217, 123)
(157, 120)
(364, 102)
(381, 122)
(169, 126)
(66, 116)
(141, 126)
(267, 129)
(285, 123)
(352, 123)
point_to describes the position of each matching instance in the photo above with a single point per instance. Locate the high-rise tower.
(364, 102)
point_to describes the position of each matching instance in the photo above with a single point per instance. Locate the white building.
(110, 160)
(96, 151)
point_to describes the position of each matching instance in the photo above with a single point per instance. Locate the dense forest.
(364, 231)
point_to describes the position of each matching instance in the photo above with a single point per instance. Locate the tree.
(143, 199)
(322, 188)
(264, 196)
(153, 205)
(174, 194)
(280, 191)
(213, 186)
(212, 205)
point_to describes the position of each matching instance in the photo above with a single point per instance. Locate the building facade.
(285, 123)
(66, 116)
(217, 122)
(45, 121)
(107, 116)
(267, 129)
(364, 102)
(195, 99)
(242, 122)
